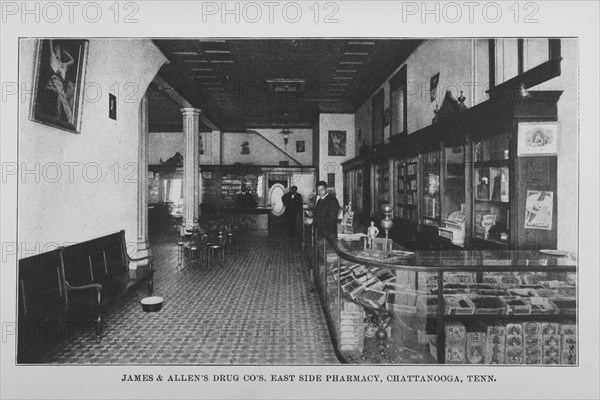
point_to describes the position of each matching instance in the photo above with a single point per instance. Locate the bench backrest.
(95, 260)
(41, 288)
(42, 304)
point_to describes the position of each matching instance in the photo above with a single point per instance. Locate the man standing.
(326, 211)
(293, 207)
(245, 199)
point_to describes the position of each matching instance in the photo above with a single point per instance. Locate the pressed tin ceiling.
(260, 83)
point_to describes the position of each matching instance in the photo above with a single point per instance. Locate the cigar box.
(549, 328)
(455, 353)
(567, 329)
(476, 342)
(455, 332)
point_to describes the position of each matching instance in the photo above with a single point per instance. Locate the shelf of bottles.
(430, 206)
(382, 184)
(406, 190)
(491, 206)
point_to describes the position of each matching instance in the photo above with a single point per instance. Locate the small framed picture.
(300, 146)
(337, 143)
(537, 139)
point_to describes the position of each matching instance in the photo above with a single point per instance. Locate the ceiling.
(260, 83)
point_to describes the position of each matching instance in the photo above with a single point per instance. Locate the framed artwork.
(300, 146)
(337, 143)
(58, 83)
(537, 139)
(245, 148)
(539, 206)
(112, 106)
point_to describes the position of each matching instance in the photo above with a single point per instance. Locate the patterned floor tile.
(258, 307)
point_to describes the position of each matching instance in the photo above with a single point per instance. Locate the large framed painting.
(58, 83)
(337, 143)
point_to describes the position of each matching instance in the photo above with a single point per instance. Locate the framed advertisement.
(537, 139)
(539, 207)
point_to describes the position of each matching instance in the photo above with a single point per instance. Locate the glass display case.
(491, 192)
(457, 307)
(406, 189)
(382, 184)
(453, 181)
(430, 205)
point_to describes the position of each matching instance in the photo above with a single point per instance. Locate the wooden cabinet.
(470, 161)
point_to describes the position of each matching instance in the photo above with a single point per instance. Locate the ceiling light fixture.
(285, 132)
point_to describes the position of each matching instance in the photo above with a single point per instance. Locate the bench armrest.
(96, 286)
(149, 258)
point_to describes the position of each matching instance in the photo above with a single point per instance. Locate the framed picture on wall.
(300, 146)
(337, 143)
(58, 83)
(537, 139)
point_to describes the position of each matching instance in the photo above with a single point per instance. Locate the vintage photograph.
(191, 266)
(353, 201)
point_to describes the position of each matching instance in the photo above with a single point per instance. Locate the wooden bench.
(65, 289)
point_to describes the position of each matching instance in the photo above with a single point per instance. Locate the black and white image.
(339, 213)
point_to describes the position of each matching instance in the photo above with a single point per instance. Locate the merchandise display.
(517, 307)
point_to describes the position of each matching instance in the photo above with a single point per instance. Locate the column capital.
(190, 111)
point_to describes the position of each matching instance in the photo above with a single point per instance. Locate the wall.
(451, 58)
(264, 153)
(165, 144)
(58, 207)
(333, 164)
(567, 195)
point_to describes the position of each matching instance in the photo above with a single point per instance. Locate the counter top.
(457, 260)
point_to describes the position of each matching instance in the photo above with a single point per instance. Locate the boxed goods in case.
(516, 305)
(403, 302)
(351, 330)
(568, 347)
(455, 332)
(551, 348)
(456, 336)
(475, 347)
(532, 332)
(495, 345)
(458, 305)
(489, 305)
(565, 305)
(549, 328)
(542, 305)
(567, 329)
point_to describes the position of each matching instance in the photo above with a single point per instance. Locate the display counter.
(256, 218)
(494, 307)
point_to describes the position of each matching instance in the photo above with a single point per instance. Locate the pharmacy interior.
(453, 244)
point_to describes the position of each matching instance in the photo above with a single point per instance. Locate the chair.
(187, 242)
(217, 246)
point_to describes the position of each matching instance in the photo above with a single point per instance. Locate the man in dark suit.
(326, 212)
(293, 207)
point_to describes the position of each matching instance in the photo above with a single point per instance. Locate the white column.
(191, 184)
(143, 246)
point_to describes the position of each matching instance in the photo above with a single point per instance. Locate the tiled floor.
(258, 308)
